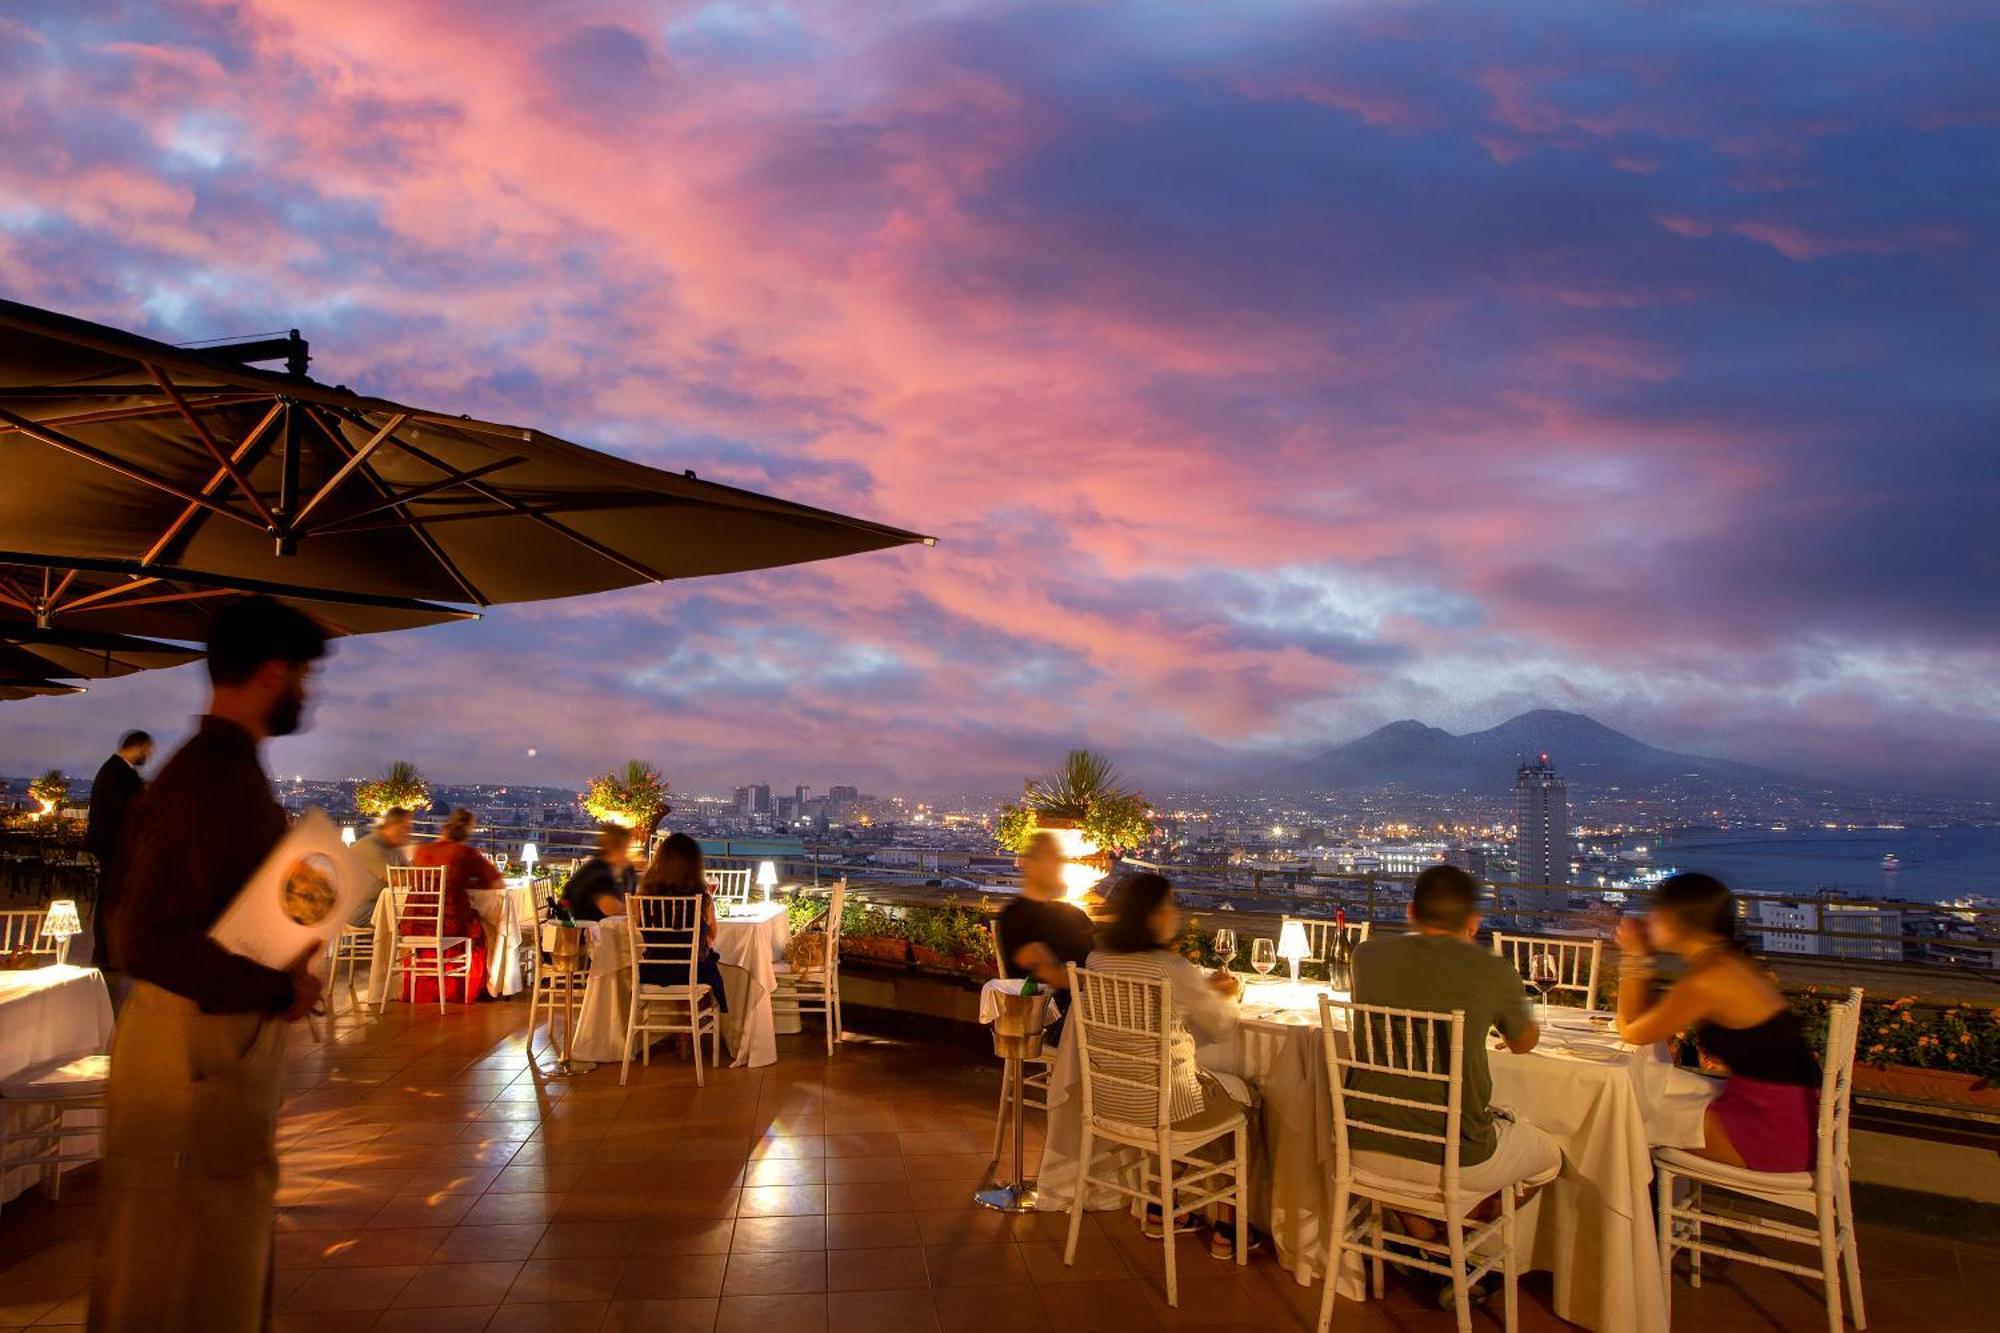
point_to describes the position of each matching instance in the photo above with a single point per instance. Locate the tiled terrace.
(433, 1183)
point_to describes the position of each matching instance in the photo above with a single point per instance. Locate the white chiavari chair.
(729, 886)
(665, 934)
(354, 946)
(1319, 934)
(21, 933)
(1034, 1073)
(1421, 1048)
(418, 895)
(40, 1115)
(1123, 1027)
(817, 990)
(1824, 1193)
(1577, 962)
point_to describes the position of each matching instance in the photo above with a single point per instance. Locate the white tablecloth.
(509, 917)
(1593, 1227)
(750, 941)
(47, 1012)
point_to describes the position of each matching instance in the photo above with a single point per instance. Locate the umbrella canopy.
(159, 601)
(33, 689)
(122, 448)
(31, 652)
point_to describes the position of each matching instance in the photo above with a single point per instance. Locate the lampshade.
(530, 853)
(767, 874)
(1292, 941)
(62, 920)
(347, 835)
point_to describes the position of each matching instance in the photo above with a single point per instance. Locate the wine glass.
(1225, 946)
(1263, 956)
(1544, 971)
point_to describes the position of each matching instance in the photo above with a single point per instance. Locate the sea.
(1934, 864)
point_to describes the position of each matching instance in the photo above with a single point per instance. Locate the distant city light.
(532, 752)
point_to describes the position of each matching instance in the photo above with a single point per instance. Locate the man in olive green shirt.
(1439, 967)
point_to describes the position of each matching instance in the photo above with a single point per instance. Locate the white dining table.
(1606, 1103)
(47, 1013)
(750, 940)
(507, 914)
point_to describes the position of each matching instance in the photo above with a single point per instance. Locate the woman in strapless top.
(1766, 1115)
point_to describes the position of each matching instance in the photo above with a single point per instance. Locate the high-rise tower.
(1541, 819)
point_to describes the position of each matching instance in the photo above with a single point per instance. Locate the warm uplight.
(1079, 874)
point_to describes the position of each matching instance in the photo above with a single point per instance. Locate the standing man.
(388, 845)
(112, 792)
(190, 1153)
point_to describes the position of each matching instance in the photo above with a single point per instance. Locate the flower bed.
(1927, 1052)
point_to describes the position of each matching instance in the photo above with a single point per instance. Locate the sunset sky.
(1268, 372)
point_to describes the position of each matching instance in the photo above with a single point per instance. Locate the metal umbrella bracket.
(1017, 1038)
(117, 448)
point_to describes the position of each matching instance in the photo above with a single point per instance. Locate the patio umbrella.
(32, 689)
(162, 602)
(88, 654)
(130, 449)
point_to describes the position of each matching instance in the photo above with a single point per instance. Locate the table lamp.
(61, 923)
(347, 835)
(767, 877)
(1292, 946)
(529, 855)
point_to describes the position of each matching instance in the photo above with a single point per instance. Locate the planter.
(876, 949)
(952, 964)
(1928, 1085)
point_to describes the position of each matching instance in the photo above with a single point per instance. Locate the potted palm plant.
(634, 796)
(400, 786)
(49, 791)
(1088, 806)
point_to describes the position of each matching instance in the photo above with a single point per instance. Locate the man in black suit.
(112, 792)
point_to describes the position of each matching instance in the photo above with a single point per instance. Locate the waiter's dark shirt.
(198, 834)
(1061, 926)
(112, 792)
(592, 879)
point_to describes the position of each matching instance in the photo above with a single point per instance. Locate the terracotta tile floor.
(432, 1182)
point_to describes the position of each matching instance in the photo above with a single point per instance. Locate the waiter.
(190, 1160)
(112, 792)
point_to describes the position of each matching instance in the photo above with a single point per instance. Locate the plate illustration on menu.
(308, 893)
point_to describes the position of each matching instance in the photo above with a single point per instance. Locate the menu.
(306, 890)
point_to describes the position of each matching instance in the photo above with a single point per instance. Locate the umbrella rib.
(203, 401)
(57, 440)
(416, 530)
(354, 461)
(187, 515)
(419, 492)
(517, 507)
(222, 460)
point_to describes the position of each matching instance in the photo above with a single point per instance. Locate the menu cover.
(306, 890)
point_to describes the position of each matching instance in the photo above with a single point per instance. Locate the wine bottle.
(1029, 986)
(1340, 955)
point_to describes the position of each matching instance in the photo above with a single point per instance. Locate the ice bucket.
(1017, 1027)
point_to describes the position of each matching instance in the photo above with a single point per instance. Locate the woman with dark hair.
(1765, 1116)
(1137, 941)
(677, 871)
(465, 869)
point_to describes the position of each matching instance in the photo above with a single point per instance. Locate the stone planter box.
(1929, 1085)
(875, 949)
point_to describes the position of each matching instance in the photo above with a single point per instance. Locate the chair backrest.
(1836, 1088)
(1319, 934)
(1123, 1029)
(21, 932)
(665, 930)
(1577, 961)
(834, 911)
(418, 895)
(1406, 1044)
(730, 886)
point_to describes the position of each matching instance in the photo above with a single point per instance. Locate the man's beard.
(287, 715)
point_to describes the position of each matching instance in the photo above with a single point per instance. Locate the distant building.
(1853, 930)
(754, 799)
(1541, 820)
(1472, 860)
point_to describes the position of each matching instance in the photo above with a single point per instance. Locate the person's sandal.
(1149, 1224)
(1222, 1241)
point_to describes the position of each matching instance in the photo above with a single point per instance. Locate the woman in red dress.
(465, 869)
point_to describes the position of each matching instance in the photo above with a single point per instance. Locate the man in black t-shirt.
(1038, 931)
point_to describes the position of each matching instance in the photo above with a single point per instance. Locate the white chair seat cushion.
(1792, 1188)
(59, 1079)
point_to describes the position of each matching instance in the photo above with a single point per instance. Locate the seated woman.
(676, 870)
(599, 886)
(465, 869)
(1766, 1116)
(1137, 941)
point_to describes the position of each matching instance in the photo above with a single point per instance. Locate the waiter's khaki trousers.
(190, 1169)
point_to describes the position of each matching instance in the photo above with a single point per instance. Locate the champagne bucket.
(1017, 1028)
(566, 944)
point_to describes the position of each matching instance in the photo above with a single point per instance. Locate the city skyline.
(1266, 377)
